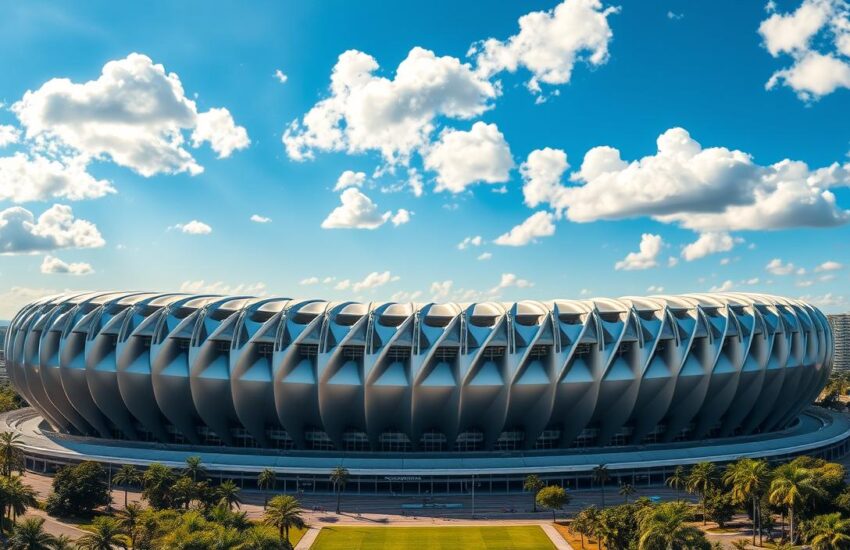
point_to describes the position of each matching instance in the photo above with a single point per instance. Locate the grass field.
(295, 535)
(525, 537)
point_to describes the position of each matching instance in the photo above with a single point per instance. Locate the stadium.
(421, 398)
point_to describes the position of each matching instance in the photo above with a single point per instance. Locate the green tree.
(664, 527)
(740, 544)
(17, 496)
(791, 487)
(584, 522)
(829, 532)
(719, 507)
(553, 497)
(127, 476)
(626, 490)
(130, 518)
(106, 534)
(532, 485)
(748, 480)
(10, 452)
(194, 468)
(339, 477)
(701, 479)
(601, 477)
(29, 534)
(283, 513)
(78, 490)
(228, 493)
(183, 491)
(63, 542)
(261, 537)
(266, 480)
(156, 483)
(678, 480)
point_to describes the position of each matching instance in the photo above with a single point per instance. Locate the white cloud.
(829, 266)
(52, 264)
(776, 267)
(365, 112)
(539, 224)
(751, 281)
(646, 257)
(217, 127)
(484, 256)
(440, 290)
(804, 283)
(26, 178)
(816, 36)
(135, 113)
(309, 281)
(374, 280)
(462, 158)
(328, 280)
(509, 280)
(344, 284)
(256, 218)
(675, 16)
(8, 135)
(280, 76)
(710, 242)
(672, 261)
(549, 43)
(726, 286)
(829, 301)
(194, 227)
(403, 296)
(470, 241)
(55, 228)
(350, 178)
(220, 287)
(401, 217)
(18, 296)
(706, 190)
(356, 212)
(541, 174)
(655, 289)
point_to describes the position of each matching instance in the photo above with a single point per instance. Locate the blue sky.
(446, 138)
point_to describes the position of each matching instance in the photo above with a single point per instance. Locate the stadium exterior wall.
(341, 377)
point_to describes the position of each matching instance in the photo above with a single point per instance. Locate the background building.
(841, 331)
(4, 327)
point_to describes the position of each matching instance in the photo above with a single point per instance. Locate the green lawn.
(295, 535)
(525, 537)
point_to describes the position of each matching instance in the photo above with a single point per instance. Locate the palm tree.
(339, 477)
(829, 532)
(130, 518)
(740, 544)
(105, 534)
(626, 490)
(584, 523)
(29, 534)
(533, 484)
(9, 451)
(265, 480)
(260, 537)
(63, 542)
(127, 476)
(702, 479)
(791, 486)
(18, 496)
(194, 469)
(228, 493)
(665, 526)
(748, 479)
(678, 480)
(284, 512)
(601, 477)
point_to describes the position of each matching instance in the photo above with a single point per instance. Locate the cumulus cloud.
(256, 218)
(829, 266)
(280, 76)
(828, 301)
(710, 242)
(510, 280)
(707, 190)
(135, 114)
(462, 158)
(776, 267)
(401, 217)
(468, 242)
(8, 135)
(350, 178)
(440, 290)
(403, 296)
(194, 227)
(309, 281)
(220, 287)
(52, 264)
(17, 297)
(646, 257)
(549, 43)
(541, 174)
(22, 233)
(356, 212)
(816, 37)
(726, 286)
(484, 256)
(655, 289)
(539, 224)
(371, 281)
(395, 117)
(35, 177)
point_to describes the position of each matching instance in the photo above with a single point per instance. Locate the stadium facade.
(430, 384)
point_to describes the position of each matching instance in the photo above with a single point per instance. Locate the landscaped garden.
(524, 537)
